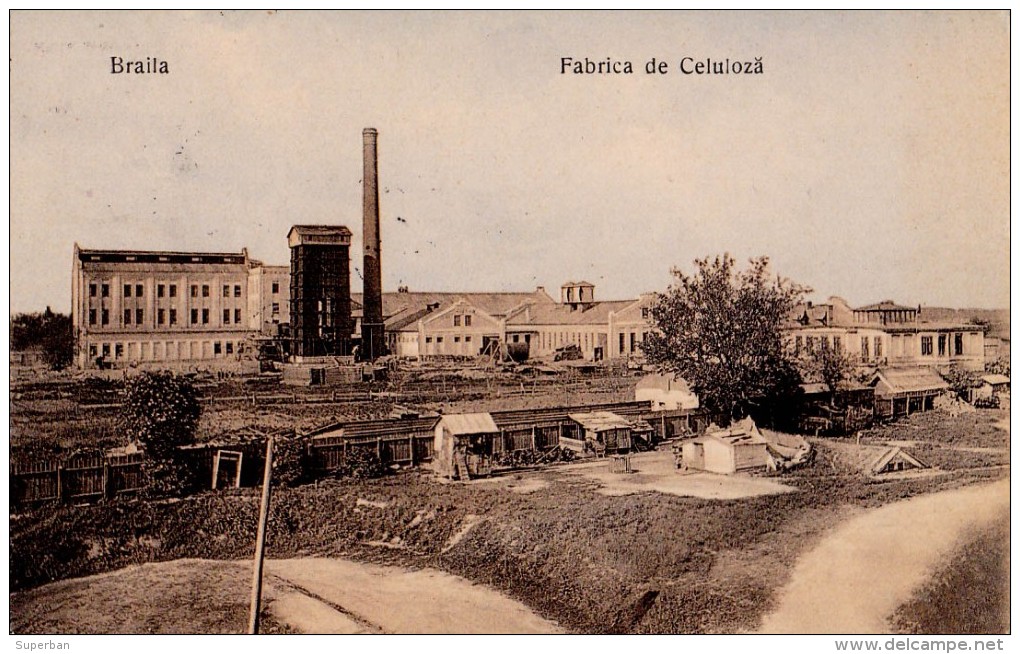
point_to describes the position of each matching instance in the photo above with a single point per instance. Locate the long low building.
(422, 325)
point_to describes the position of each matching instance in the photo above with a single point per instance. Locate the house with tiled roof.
(886, 334)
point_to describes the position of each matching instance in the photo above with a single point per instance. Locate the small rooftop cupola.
(577, 295)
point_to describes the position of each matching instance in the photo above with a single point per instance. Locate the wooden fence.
(329, 452)
(79, 478)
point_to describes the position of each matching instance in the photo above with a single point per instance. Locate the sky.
(869, 160)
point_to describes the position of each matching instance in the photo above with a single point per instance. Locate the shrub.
(161, 410)
(360, 463)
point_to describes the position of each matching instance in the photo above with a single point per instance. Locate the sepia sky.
(870, 160)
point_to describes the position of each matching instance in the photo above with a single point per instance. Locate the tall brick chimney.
(373, 341)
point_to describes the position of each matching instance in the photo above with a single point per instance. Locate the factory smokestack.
(372, 336)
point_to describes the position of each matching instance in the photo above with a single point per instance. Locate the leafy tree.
(48, 331)
(722, 331)
(161, 411)
(961, 381)
(827, 365)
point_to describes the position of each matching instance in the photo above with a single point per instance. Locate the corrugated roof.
(600, 421)
(906, 380)
(463, 424)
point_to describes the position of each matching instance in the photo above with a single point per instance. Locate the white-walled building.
(130, 307)
(886, 334)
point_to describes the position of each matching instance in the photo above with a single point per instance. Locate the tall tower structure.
(373, 338)
(320, 290)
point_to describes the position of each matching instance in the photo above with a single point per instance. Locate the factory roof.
(400, 306)
(595, 313)
(160, 256)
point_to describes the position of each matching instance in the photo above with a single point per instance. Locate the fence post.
(378, 448)
(60, 481)
(410, 440)
(534, 439)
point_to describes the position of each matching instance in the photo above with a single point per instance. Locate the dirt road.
(855, 579)
(339, 596)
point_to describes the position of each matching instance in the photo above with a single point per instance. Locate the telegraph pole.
(260, 543)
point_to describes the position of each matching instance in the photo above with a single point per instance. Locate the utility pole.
(260, 543)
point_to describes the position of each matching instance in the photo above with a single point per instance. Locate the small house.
(666, 392)
(726, 451)
(466, 445)
(599, 433)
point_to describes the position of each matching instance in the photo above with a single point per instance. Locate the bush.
(289, 465)
(168, 478)
(161, 410)
(360, 463)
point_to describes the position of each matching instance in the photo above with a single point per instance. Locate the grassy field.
(146, 599)
(969, 594)
(637, 563)
(63, 413)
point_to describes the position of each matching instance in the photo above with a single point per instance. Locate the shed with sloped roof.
(902, 391)
(466, 445)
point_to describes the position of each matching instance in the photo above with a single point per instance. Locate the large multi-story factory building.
(150, 306)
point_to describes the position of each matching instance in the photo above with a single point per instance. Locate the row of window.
(875, 343)
(164, 290)
(465, 318)
(439, 339)
(163, 316)
(811, 343)
(928, 342)
(158, 351)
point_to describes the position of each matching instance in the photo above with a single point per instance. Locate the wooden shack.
(736, 449)
(600, 433)
(902, 391)
(466, 445)
(996, 384)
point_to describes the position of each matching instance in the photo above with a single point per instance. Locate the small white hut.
(466, 445)
(726, 451)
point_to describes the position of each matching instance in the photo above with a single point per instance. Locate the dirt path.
(857, 577)
(339, 596)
